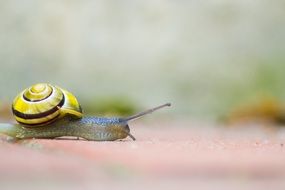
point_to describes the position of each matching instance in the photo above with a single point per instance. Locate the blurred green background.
(122, 56)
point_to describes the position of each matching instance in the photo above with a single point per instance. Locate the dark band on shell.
(39, 115)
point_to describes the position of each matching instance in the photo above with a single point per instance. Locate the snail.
(47, 111)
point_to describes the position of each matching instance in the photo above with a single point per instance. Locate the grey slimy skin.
(89, 128)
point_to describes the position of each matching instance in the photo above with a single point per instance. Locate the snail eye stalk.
(138, 115)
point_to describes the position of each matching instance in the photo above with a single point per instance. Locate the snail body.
(89, 128)
(46, 111)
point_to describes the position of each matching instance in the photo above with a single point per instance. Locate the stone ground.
(166, 155)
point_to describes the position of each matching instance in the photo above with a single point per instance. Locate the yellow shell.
(43, 103)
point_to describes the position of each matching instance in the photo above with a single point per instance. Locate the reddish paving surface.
(165, 156)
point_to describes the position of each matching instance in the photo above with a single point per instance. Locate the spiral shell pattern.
(43, 103)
